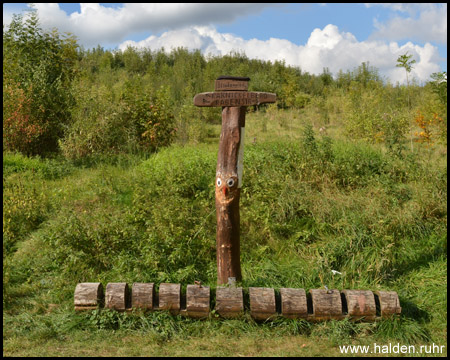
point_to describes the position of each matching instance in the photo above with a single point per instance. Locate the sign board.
(229, 84)
(233, 98)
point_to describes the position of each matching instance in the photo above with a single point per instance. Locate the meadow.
(108, 176)
(310, 204)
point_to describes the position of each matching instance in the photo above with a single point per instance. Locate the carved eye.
(219, 182)
(230, 182)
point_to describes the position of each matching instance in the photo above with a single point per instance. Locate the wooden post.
(389, 303)
(88, 296)
(197, 301)
(170, 297)
(229, 302)
(232, 95)
(294, 303)
(262, 303)
(327, 304)
(116, 296)
(142, 295)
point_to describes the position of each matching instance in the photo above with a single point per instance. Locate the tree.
(405, 62)
(38, 68)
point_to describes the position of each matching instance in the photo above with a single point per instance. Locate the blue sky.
(310, 36)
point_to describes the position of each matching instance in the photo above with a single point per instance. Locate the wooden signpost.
(231, 94)
(322, 304)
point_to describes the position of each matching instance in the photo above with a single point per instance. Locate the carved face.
(226, 186)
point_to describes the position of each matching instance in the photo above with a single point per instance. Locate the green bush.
(37, 73)
(370, 116)
(125, 118)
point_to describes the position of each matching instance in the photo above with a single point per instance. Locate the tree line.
(62, 98)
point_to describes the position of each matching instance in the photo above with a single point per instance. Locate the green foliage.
(37, 71)
(126, 118)
(371, 116)
(127, 204)
(308, 206)
(405, 62)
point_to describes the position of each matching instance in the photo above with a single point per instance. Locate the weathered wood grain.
(116, 296)
(262, 303)
(197, 301)
(229, 302)
(389, 303)
(170, 297)
(327, 304)
(293, 303)
(88, 296)
(360, 304)
(142, 295)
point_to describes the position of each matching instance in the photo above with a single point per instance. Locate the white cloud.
(430, 25)
(191, 26)
(327, 47)
(96, 24)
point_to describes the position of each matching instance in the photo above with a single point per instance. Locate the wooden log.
(229, 302)
(88, 296)
(197, 301)
(170, 297)
(389, 303)
(228, 195)
(360, 304)
(142, 295)
(293, 303)
(262, 303)
(116, 296)
(327, 304)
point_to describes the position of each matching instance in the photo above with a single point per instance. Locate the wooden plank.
(231, 84)
(229, 302)
(233, 98)
(389, 303)
(262, 303)
(293, 303)
(170, 297)
(360, 304)
(88, 296)
(197, 301)
(116, 296)
(142, 296)
(327, 304)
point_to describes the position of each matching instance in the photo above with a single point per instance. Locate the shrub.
(38, 69)
(126, 118)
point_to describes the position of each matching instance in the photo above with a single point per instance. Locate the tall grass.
(310, 204)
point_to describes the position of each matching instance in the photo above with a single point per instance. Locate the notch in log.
(170, 298)
(262, 303)
(117, 296)
(294, 303)
(389, 303)
(327, 304)
(360, 304)
(88, 296)
(197, 301)
(142, 295)
(229, 302)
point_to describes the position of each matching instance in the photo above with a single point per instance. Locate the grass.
(310, 203)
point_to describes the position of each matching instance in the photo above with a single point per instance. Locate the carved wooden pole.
(232, 95)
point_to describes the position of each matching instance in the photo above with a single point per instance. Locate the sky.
(309, 36)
